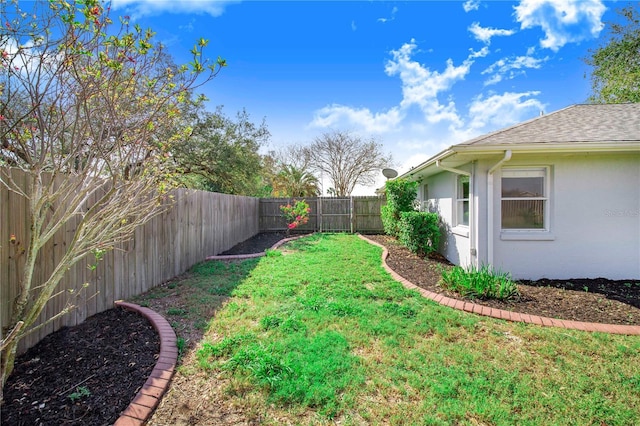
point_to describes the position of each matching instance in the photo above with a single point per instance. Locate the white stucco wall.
(455, 243)
(594, 222)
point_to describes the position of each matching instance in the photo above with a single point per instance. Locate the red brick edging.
(147, 399)
(500, 313)
(250, 256)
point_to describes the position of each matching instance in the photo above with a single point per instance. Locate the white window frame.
(537, 171)
(460, 201)
(424, 205)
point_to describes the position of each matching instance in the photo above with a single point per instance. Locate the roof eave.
(563, 147)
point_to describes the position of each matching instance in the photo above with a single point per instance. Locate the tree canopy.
(221, 154)
(615, 77)
(347, 159)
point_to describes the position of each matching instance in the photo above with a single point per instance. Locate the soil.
(591, 300)
(82, 375)
(257, 243)
(111, 354)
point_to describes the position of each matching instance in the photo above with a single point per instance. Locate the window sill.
(461, 230)
(527, 236)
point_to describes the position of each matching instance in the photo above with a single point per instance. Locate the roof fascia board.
(547, 148)
(430, 162)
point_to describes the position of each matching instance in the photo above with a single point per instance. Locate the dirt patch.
(591, 300)
(82, 375)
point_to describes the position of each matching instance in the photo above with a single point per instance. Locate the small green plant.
(81, 392)
(181, 345)
(480, 283)
(177, 312)
(270, 322)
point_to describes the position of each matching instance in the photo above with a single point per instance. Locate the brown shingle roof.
(593, 123)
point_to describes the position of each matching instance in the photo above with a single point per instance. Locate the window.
(524, 199)
(462, 201)
(425, 198)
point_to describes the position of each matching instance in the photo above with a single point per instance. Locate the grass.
(321, 334)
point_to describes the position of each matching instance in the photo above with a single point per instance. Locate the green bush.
(483, 283)
(419, 232)
(401, 196)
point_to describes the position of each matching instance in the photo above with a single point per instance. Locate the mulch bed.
(112, 353)
(591, 300)
(82, 375)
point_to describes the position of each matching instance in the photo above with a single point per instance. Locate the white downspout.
(472, 214)
(490, 219)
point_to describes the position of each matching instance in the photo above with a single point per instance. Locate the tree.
(221, 154)
(615, 77)
(88, 115)
(292, 181)
(347, 159)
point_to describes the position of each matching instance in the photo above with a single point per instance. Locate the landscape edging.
(148, 397)
(500, 313)
(252, 255)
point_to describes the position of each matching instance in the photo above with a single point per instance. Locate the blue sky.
(418, 76)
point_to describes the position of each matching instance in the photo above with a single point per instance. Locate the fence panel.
(328, 214)
(198, 225)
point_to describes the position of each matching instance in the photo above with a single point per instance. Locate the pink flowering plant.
(296, 214)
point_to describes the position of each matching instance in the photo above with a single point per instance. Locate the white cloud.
(353, 26)
(421, 88)
(484, 34)
(563, 21)
(138, 8)
(342, 116)
(470, 5)
(497, 111)
(393, 16)
(509, 68)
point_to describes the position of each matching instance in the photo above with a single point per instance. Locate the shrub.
(419, 232)
(296, 214)
(483, 283)
(401, 196)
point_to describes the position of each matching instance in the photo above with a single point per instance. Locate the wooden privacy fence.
(198, 225)
(328, 214)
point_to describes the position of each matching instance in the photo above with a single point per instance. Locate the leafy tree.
(88, 114)
(347, 159)
(295, 182)
(615, 77)
(221, 154)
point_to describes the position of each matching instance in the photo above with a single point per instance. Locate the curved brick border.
(146, 400)
(250, 256)
(500, 313)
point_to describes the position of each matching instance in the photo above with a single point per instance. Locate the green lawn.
(321, 333)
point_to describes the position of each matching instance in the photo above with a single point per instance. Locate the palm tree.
(292, 181)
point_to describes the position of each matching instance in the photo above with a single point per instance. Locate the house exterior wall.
(594, 220)
(455, 241)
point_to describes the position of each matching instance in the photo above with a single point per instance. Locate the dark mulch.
(591, 300)
(256, 244)
(260, 242)
(110, 356)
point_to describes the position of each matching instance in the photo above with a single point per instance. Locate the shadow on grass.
(191, 300)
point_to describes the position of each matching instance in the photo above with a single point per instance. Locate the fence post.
(319, 213)
(352, 215)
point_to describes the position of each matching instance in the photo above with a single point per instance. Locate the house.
(557, 196)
